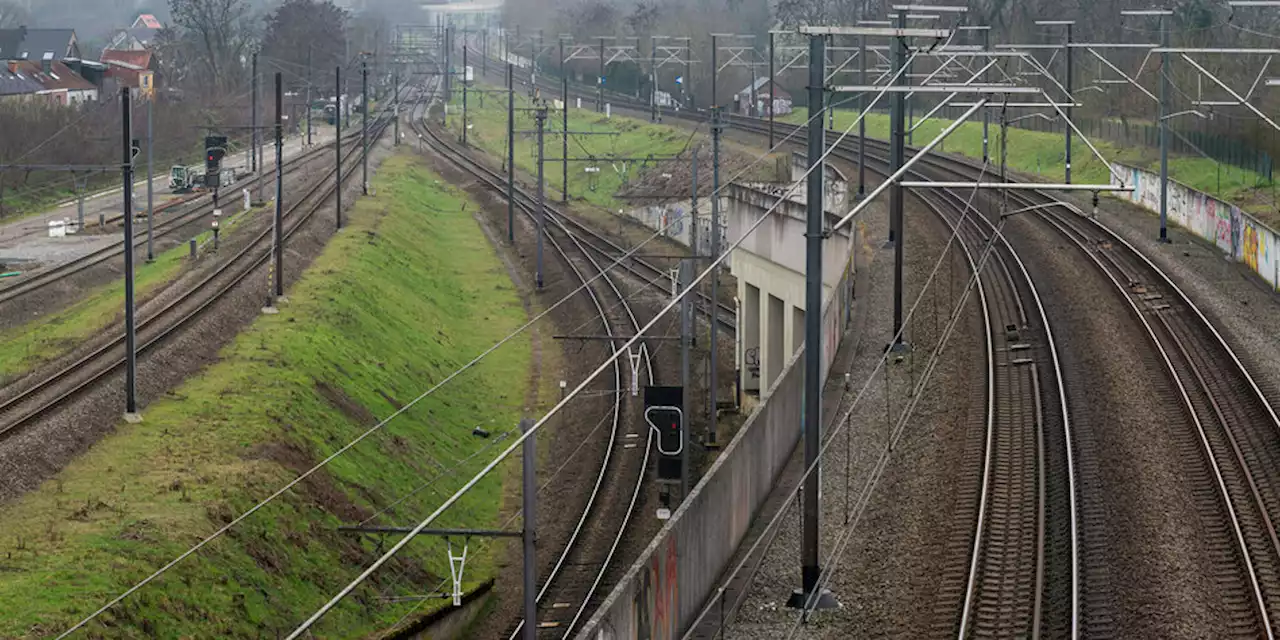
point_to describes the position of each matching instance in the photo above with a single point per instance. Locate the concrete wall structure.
(1237, 234)
(676, 573)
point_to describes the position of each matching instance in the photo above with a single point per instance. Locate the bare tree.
(11, 15)
(219, 32)
(299, 27)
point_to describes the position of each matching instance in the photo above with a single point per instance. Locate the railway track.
(1232, 422)
(580, 568)
(31, 402)
(163, 227)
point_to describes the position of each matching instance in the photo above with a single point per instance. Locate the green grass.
(1041, 153)
(395, 303)
(636, 139)
(47, 338)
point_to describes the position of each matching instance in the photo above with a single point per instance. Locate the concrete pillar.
(751, 373)
(797, 329)
(775, 347)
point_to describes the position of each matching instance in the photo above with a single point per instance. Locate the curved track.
(1235, 425)
(581, 566)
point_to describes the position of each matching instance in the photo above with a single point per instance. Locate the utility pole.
(653, 78)
(529, 496)
(986, 113)
(484, 59)
(279, 225)
(715, 102)
(337, 146)
(688, 75)
(716, 129)
(541, 117)
(151, 254)
(511, 156)
(600, 81)
(564, 140)
(810, 593)
(897, 140)
(862, 122)
(130, 330)
(1067, 57)
(1070, 101)
(253, 135)
(771, 81)
(395, 97)
(364, 126)
(1164, 128)
(448, 65)
(465, 85)
(693, 212)
(309, 95)
(686, 335)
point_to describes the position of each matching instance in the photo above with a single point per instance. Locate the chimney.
(13, 66)
(46, 62)
(22, 34)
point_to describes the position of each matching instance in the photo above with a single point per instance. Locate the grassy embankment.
(636, 139)
(406, 294)
(1041, 153)
(25, 347)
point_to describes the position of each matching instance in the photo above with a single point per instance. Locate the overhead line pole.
(713, 392)
(337, 146)
(862, 122)
(1164, 129)
(465, 85)
(810, 593)
(772, 80)
(151, 255)
(309, 94)
(564, 140)
(897, 136)
(541, 117)
(364, 127)
(130, 330)
(511, 155)
(279, 217)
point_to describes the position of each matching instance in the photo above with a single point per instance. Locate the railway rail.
(1233, 422)
(162, 227)
(580, 567)
(33, 401)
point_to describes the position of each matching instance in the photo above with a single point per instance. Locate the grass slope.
(635, 139)
(396, 302)
(1041, 153)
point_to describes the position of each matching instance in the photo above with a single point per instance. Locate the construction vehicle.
(186, 179)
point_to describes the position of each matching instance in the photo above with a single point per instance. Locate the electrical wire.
(382, 423)
(711, 268)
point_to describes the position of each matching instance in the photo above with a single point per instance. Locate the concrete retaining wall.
(668, 584)
(1236, 233)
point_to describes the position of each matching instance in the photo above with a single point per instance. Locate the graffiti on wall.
(657, 603)
(1236, 233)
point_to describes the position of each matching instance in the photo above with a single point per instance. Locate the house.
(58, 84)
(141, 35)
(17, 87)
(766, 95)
(33, 44)
(133, 69)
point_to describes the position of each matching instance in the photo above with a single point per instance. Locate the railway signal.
(664, 413)
(215, 147)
